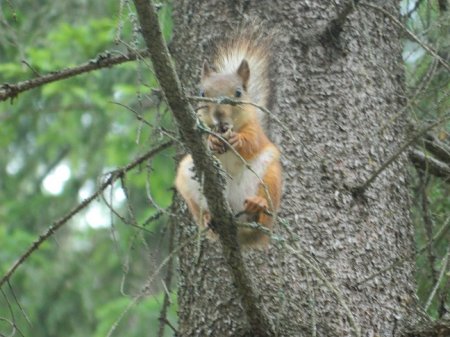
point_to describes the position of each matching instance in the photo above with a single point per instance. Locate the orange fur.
(251, 139)
(270, 192)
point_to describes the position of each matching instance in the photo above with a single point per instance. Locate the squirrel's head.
(222, 117)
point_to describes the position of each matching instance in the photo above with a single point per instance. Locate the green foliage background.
(428, 88)
(80, 282)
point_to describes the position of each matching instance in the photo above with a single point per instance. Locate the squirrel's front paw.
(216, 145)
(235, 140)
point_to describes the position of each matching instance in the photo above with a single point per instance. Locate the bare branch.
(442, 308)
(165, 321)
(104, 60)
(230, 101)
(360, 189)
(439, 279)
(167, 280)
(410, 34)
(205, 164)
(428, 223)
(437, 148)
(356, 328)
(144, 290)
(117, 174)
(429, 329)
(397, 262)
(429, 164)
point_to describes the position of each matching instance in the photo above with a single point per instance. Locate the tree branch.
(442, 231)
(441, 276)
(117, 174)
(410, 34)
(103, 60)
(167, 280)
(437, 148)
(233, 102)
(339, 296)
(206, 166)
(427, 223)
(429, 329)
(360, 189)
(429, 164)
(147, 286)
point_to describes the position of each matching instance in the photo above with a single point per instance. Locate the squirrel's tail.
(254, 44)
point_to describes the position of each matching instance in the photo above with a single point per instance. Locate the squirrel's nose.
(219, 113)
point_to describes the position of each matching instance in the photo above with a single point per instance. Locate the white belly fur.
(241, 182)
(192, 189)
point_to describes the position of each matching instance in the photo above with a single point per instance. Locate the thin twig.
(165, 321)
(256, 226)
(13, 322)
(429, 164)
(400, 260)
(437, 148)
(356, 328)
(312, 304)
(22, 310)
(141, 119)
(426, 80)
(360, 189)
(59, 223)
(31, 68)
(167, 281)
(428, 224)
(144, 290)
(439, 279)
(13, 327)
(442, 306)
(230, 101)
(153, 217)
(410, 34)
(104, 60)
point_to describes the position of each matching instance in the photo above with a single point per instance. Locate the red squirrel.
(241, 72)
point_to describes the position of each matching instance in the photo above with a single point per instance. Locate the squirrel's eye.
(238, 92)
(202, 93)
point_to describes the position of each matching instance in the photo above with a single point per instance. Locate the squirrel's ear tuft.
(206, 71)
(244, 72)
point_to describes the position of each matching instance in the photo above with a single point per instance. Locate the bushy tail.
(253, 43)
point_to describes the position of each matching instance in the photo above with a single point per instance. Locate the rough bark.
(337, 95)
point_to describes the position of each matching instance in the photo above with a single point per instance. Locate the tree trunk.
(339, 88)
